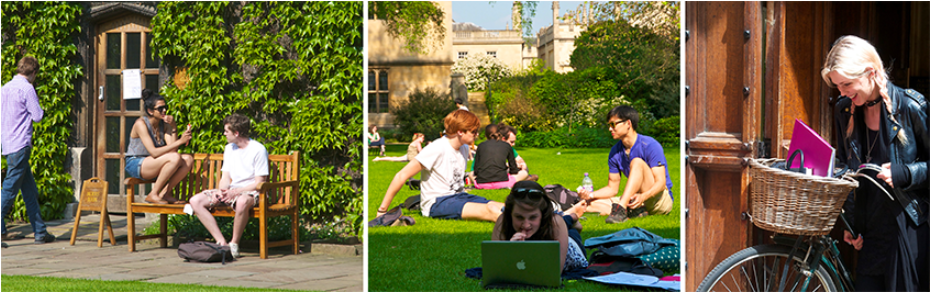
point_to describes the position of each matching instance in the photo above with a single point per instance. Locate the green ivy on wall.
(46, 30)
(294, 68)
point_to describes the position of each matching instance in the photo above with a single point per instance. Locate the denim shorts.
(449, 207)
(134, 167)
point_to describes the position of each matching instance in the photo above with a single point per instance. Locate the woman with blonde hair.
(880, 123)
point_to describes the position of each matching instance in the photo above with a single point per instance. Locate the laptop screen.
(524, 263)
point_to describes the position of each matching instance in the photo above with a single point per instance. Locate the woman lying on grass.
(528, 215)
(414, 148)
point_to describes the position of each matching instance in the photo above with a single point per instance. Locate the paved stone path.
(325, 268)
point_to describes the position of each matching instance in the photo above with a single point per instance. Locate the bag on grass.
(204, 252)
(564, 197)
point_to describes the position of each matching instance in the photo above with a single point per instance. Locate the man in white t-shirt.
(442, 168)
(246, 164)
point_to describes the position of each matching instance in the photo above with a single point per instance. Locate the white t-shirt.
(442, 172)
(245, 164)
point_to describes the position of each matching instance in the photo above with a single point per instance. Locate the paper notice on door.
(132, 84)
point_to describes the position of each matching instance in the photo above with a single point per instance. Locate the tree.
(660, 17)
(419, 24)
(642, 62)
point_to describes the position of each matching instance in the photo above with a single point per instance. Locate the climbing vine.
(45, 30)
(295, 68)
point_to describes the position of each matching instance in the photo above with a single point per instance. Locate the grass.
(433, 254)
(18, 283)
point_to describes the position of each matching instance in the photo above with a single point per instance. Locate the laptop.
(521, 264)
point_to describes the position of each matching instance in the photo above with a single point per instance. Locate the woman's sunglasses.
(528, 192)
(161, 109)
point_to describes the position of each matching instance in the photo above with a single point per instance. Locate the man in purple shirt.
(20, 109)
(641, 159)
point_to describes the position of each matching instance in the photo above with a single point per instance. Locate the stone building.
(555, 43)
(395, 72)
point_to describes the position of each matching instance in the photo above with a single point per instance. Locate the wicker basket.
(794, 203)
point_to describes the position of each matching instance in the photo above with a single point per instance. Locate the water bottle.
(587, 182)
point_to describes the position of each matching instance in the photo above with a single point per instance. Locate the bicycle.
(811, 262)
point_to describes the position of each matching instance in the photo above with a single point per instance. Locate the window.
(491, 53)
(461, 54)
(378, 91)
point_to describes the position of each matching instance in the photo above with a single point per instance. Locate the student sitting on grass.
(642, 160)
(442, 168)
(413, 149)
(507, 134)
(494, 165)
(530, 216)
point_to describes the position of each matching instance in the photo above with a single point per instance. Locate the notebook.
(819, 156)
(521, 264)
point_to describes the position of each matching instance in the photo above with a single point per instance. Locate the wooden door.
(121, 44)
(723, 79)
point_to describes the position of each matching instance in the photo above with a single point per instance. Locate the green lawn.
(433, 254)
(19, 283)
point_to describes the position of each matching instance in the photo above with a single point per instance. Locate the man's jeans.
(19, 175)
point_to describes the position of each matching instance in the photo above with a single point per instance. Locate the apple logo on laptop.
(520, 265)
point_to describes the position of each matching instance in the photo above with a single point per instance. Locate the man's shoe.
(637, 212)
(47, 238)
(617, 215)
(235, 250)
(533, 177)
(5, 245)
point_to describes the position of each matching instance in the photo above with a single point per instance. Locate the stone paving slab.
(332, 270)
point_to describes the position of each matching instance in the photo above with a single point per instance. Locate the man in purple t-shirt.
(20, 109)
(641, 159)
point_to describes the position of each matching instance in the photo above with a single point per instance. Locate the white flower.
(478, 67)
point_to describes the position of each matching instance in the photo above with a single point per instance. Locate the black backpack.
(564, 197)
(204, 252)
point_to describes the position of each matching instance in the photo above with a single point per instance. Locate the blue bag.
(629, 243)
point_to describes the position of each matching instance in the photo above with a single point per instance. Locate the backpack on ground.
(205, 252)
(562, 196)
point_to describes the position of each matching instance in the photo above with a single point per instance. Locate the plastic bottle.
(587, 182)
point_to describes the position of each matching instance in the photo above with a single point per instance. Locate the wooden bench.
(277, 197)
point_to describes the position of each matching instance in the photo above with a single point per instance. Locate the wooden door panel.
(723, 73)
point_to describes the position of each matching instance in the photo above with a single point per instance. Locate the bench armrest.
(264, 187)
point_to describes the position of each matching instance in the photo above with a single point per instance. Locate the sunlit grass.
(433, 254)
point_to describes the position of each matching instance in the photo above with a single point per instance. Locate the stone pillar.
(517, 16)
(555, 10)
(458, 88)
(76, 154)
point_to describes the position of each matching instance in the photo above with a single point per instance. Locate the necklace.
(874, 102)
(872, 145)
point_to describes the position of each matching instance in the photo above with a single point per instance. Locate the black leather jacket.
(911, 111)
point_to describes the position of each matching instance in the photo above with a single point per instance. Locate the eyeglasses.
(528, 192)
(162, 109)
(613, 124)
(474, 131)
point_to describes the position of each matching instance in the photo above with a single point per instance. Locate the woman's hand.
(185, 136)
(885, 174)
(856, 243)
(168, 119)
(519, 236)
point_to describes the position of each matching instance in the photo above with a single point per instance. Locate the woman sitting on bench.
(152, 153)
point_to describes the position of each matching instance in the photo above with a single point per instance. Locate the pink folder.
(818, 154)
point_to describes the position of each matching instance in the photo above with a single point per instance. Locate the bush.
(424, 112)
(478, 69)
(666, 131)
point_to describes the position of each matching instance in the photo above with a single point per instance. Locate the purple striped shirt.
(20, 106)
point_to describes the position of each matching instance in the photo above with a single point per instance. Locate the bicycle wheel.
(761, 269)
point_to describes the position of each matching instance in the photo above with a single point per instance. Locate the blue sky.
(496, 16)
